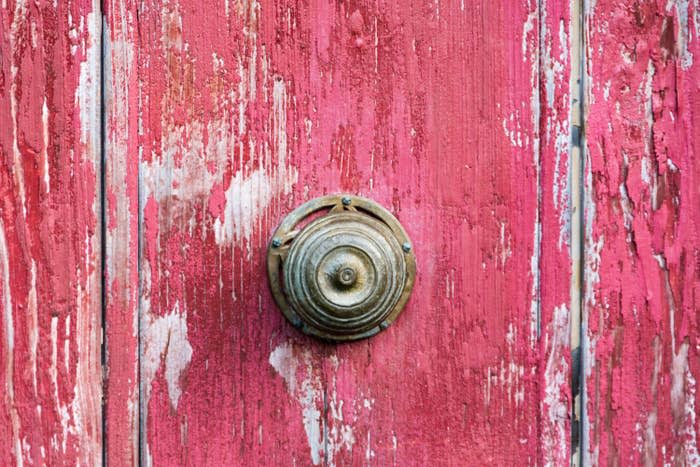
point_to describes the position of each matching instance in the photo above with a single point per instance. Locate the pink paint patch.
(217, 201)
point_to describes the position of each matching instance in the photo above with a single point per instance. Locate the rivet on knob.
(276, 242)
(346, 201)
(346, 276)
(406, 247)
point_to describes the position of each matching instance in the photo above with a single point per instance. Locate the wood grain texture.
(642, 242)
(555, 204)
(121, 162)
(454, 115)
(50, 287)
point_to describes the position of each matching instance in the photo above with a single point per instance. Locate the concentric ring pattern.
(341, 267)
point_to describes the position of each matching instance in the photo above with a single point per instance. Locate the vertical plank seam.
(577, 83)
(103, 232)
(538, 172)
(141, 432)
(582, 328)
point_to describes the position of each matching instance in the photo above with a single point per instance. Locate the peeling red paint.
(642, 241)
(50, 234)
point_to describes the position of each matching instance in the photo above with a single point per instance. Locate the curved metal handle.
(342, 275)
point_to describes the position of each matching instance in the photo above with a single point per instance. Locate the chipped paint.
(640, 327)
(535, 291)
(683, 407)
(324, 441)
(683, 34)
(556, 376)
(8, 331)
(122, 121)
(248, 196)
(531, 48)
(50, 234)
(165, 343)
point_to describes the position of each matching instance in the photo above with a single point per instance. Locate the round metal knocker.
(341, 267)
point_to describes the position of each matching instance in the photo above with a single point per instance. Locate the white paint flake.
(556, 377)
(44, 148)
(505, 383)
(535, 291)
(191, 164)
(9, 345)
(87, 96)
(514, 132)
(505, 250)
(19, 16)
(530, 49)
(249, 195)
(683, 34)
(165, 340)
(648, 437)
(85, 413)
(528, 28)
(683, 387)
(648, 176)
(558, 124)
(325, 440)
(308, 392)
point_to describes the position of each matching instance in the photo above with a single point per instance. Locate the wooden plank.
(216, 173)
(476, 372)
(121, 417)
(50, 284)
(558, 90)
(642, 276)
(454, 115)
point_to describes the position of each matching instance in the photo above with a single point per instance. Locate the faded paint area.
(328, 434)
(556, 377)
(504, 384)
(49, 234)
(642, 243)
(248, 195)
(166, 343)
(214, 149)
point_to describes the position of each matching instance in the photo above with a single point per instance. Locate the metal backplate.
(341, 267)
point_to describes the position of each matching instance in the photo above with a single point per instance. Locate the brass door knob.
(341, 267)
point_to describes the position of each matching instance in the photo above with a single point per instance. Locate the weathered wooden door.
(540, 154)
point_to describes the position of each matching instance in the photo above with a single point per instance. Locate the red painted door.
(540, 155)
(453, 115)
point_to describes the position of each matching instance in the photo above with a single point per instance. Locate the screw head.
(346, 201)
(406, 247)
(276, 243)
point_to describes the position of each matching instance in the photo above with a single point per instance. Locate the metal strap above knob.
(341, 267)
